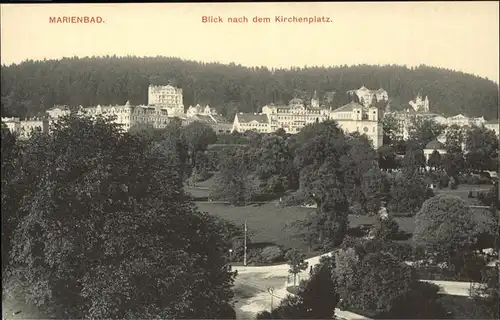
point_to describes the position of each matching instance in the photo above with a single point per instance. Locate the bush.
(453, 183)
(429, 193)
(271, 254)
(253, 255)
(477, 180)
(444, 181)
(294, 199)
(387, 229)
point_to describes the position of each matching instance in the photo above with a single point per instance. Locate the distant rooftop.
(349, 107)
(249, 117)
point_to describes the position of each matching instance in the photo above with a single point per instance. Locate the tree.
(319, 293)
(346, 276)
(376, 188)
(175, 145)
(359, 159)
(10, 198)
(320, 148)
(316, 297)
(371, 276)
(391, 129)
(233, 182)
(423, 131)
(372, 281)
(296, 262)
(481, 147)
(383, 279)
(408, 192)
(435, 161)
(280, 132)
(453, 163)
(387, 158)
(445, 226)
(198, 136)
(274, 164)
(455, 137)
(107, 231)
(414, 159)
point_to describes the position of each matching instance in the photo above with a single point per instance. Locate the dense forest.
(31, 87)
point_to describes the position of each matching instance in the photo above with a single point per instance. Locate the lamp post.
(230, 254)
(245, 246)
(271, 291)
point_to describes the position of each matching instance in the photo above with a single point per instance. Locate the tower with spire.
(315, 100)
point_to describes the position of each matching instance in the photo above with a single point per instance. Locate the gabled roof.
(59, 107)
(202, 118)
(220, 119)
(349, 107)
(249, 117)
(458, 116)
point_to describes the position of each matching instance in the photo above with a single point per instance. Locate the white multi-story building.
(366, 95)
(166, 97)
(13, 124)
(130, 116)
(293, 117)
(257, 122)
(352, 117)
(355, 117)
(58, 111)
(462, 120)
(24, 128)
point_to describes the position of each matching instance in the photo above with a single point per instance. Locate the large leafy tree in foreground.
(321, 161)
(9, 156)
(446, 226)
(107, 231)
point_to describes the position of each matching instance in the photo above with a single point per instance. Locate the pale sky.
(462, 36)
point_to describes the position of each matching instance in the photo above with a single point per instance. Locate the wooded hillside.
(32, 87)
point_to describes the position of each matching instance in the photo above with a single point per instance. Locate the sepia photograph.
(250, 160)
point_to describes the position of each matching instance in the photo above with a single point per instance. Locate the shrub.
(294, 199)
(453, 183)
(444, 181)
(271, 254)
(386, 229)
(477, 180)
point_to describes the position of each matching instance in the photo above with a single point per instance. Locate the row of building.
(165, 102)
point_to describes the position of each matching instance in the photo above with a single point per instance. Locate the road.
(281, 271)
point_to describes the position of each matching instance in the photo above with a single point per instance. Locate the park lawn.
(462, 307)
(462, 190)
(268, 223)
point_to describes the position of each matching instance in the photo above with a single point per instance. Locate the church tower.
(426, 104)
(315, 100)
